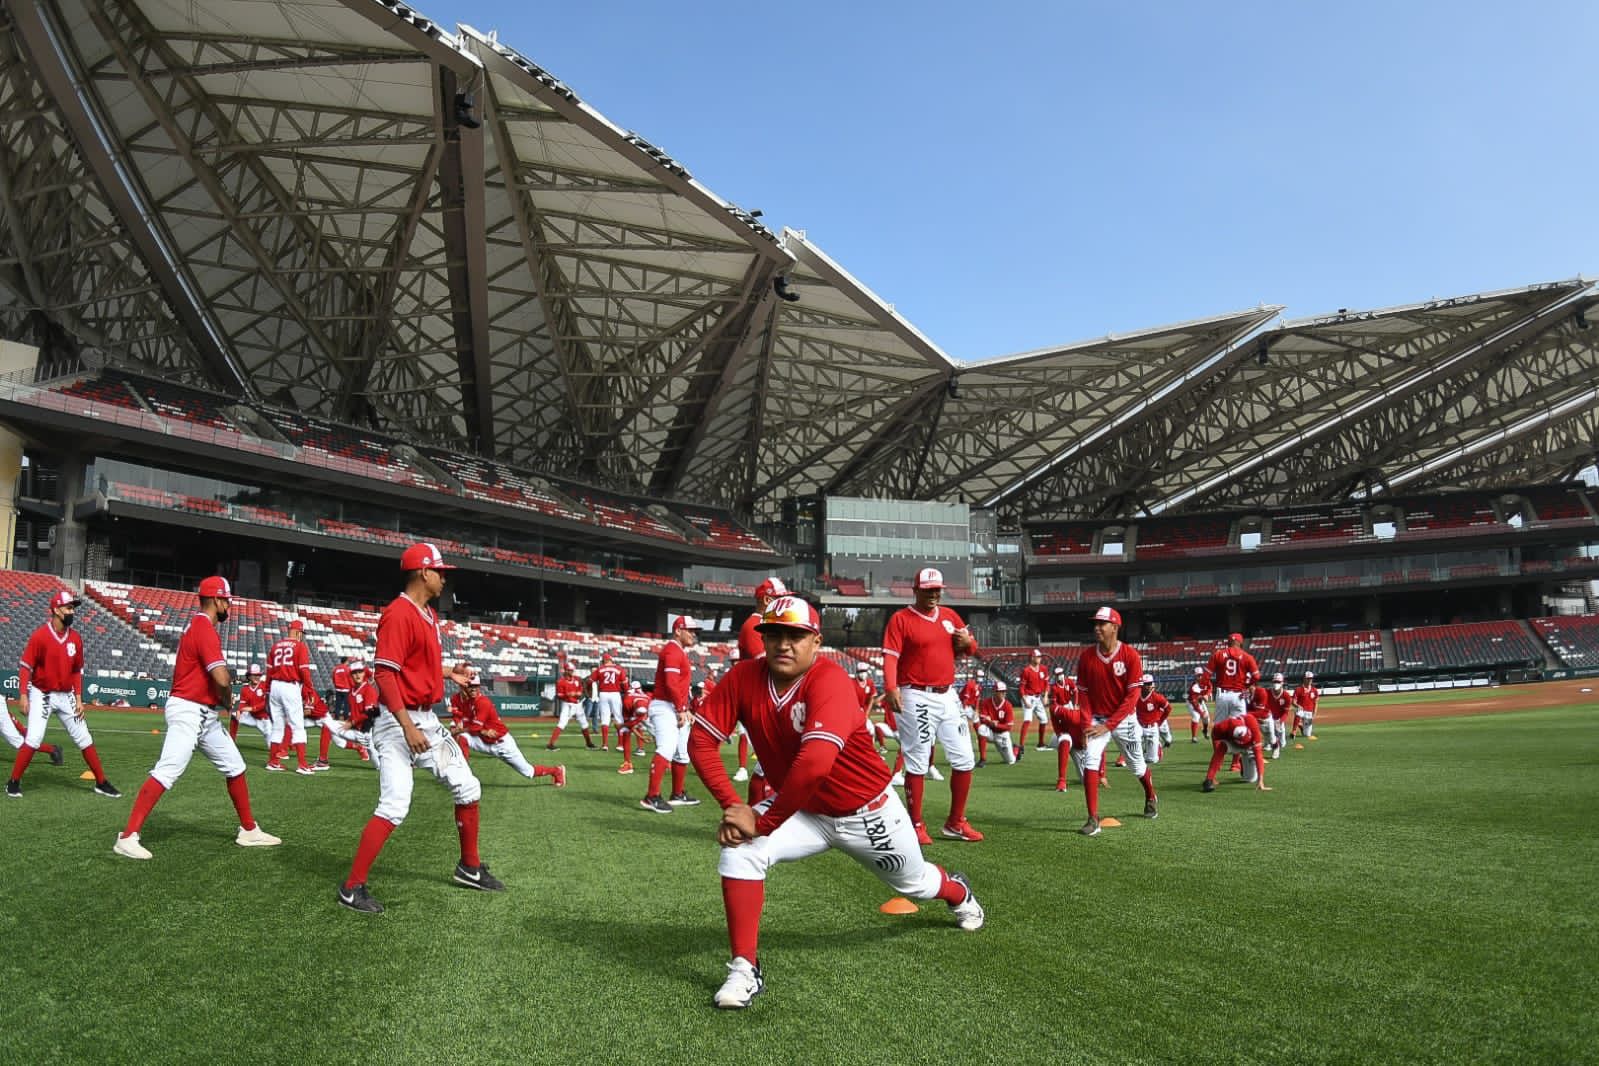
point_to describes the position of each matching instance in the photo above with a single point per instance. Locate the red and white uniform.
(750, 645)
(316, 708)
(919, 662)
(364, 706)
(251, 708)
(669, 699)
(1279, 706)
(1152, 711)
(568, 699)
(1034, 686)
(867, 690)
(190, 712)
(409, 669)
(478, 720)
(1226, 741)
(1108, 685)
(50, 679)
(608, 681)
(1063, 693)
(832, 789)
(288, 674)
(1199, 698)
(1232, 671)
(1306, 698)
(343, 682)
(995, 720)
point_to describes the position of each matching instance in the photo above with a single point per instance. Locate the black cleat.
(682, 799)
(1151, 809)
(477, 877)
(106, 788)
(13, 790)
(656, 804)
(1208, 786)
(56, 756)
(359, 899)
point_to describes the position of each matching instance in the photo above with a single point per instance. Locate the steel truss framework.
(347, 207)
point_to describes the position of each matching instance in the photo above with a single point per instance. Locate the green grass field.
(1416, 891)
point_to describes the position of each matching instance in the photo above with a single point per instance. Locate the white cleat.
(898, 781)
(968, 914)
(129, 847)
(933, 774)
(255, 838)
(743, 984)
(742, 775)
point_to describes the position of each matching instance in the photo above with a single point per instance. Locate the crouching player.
(832, 790)
(251, 709)
(1071, 740)
(1306, 697)
(995, 717)
(477, 726)
(1237, 736)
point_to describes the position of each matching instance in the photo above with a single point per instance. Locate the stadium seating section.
(1161, 537)
(482, 479)
(1450, 513)
(1063, 540)
(1575, 640)
(1318, 526)
(1465, 645)
(1558, 505)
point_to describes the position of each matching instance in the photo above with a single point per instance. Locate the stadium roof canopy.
(345, 206)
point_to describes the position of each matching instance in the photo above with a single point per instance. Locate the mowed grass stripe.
(1410, 891)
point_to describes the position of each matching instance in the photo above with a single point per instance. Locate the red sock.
(48, 749)
(233, 727)
(914, 784)
(239, 792)
(1063, 754)
(658, 767)
(542, 771)
(588, 740)
(982, 748)
(299, 753)
(605, 736)
(373, 837)
(1025, 727)
(950, 890)
(960, 786)
(92, 758)
(744, 751)
(1148, 781)
(143, 803)
(20, 764)
(327, 738)
(1215, 762)
(466, 822)
(275, 752)
(743, 901)
(679, 777)
(466, 749)
(1091, 792)
(555, 735)
(1193, 729)
(899, 762)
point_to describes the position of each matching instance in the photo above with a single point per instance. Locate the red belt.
(875, 805)
(930, 688)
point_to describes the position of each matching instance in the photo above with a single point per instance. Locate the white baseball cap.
(357, 664)
(929, 577)
(1060, 669)
(1309, 675)
(863, 669)
(1038, 652)
(1146, 680)
(999, 686)
(685, 621)
(634, 685)
(1240, 733)
(1198, 670)
(1278, 678)
(255, 670)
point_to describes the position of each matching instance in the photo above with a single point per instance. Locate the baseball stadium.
(287, 289)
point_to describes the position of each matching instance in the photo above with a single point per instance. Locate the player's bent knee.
(747, 862)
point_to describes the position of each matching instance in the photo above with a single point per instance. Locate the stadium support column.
(10, 470)
(1235, 618)
(70, 554)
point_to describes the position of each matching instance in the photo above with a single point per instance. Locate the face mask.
(222, 616)
(66, 619)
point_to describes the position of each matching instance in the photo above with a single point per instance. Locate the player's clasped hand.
(416, 741)
(738, 826)
(1098, 729)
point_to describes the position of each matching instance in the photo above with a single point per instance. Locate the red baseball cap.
(296, 626)
(64, 598)
(929, 577)
(216, 586)
(423, 556)
(255, 669)
(772, 586)
(1239, 637)
(685, 621)
(1108, 614)
(791, 612)
(1146, 680)
(357, 664)
(1037, 652)
(1240, 733)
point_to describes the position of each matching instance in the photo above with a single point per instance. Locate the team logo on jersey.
(949, 627)
(796, 715)
(1118, 668)
(72, 649)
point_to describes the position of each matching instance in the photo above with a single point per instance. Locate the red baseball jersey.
(971, 692)
(1064, 693)
(868, 693)
(608, 677)
(750, 645)
(1034, 680)
(199, 652)
(313, 703)
(411, 651)
(478, 716)
(918, 648)
(821, 707)
(1306, 697)
(1233, 669)
(253, 698)
(343, 680)
(52, 662)
(1198, 693)
(568, 689)
(1258, 704)
(1154, 710)
(363, 704)
(636, 704)
(1072, 721)
(672, 675)
(1279, 702)
(1222, 732)
(997, 714)
(710, 682)
(1109, 683)
(289, 660)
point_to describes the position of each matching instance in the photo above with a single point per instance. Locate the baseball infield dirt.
(1473, 701)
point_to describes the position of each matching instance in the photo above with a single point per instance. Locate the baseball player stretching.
(569, 698)
(919, 650)
(669, 719)
(1199, 705)
(407, 733)
(1239, 735)
(251, 708)
(995, 717)
(288, 676)
(832, 790)
(51, 680)
(1152, 711)
(635, 714)
(1108, 675)
(1232, 671)
(1034, 687)
(1306, 697)
(201, 691)
(1279, 705)
(750, 647)
(12, 731)
(477, 726)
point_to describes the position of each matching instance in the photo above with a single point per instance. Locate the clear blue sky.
(1016, 175)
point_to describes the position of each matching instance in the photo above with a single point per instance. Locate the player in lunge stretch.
(635, 713)
(410, 679)
(12, 732)
(1034, 688)
(995, 719)
(920, 646)
(364, 701)
(1237, 736)
(749, 647)
(1108, 675)
(1199, 705)
(1306, 697)
(569, 699)
(288, 676)
(1152, 711)
(1279, 705)
(51, 682)
(251, 707)
(202, 690)
(317, 713)
(832, 789)
(669, 718)
(476, 724)
(1232, 672)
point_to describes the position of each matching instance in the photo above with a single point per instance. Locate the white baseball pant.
(1197, 712)
(1002, 740)
(1149, 743)
(1307, 720)
(1228, 704)
(1270, 731)
(8, 730)
(1128, 739)
(443, 760)
(882, 839)
(570, 711)
(1075, 753)
(264, 724)
(64, 705)
(505, 748)
(1247, 753)
(927, 716)
(671, 739)
(288, 712)
(1033, 710)
(1165, 732)
(192, 725)
(610, 705)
